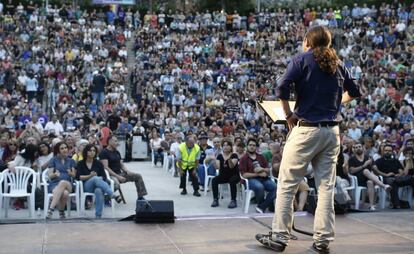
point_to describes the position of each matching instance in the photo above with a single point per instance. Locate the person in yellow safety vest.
(188, 155)
(338, 17)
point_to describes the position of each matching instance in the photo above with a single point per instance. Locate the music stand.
(274, 110)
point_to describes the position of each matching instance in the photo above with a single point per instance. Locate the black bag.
(311, 204)
(340, 208)
(404, 180)
(312, 201)
(404, 204)
(39, 198)
(3, 166)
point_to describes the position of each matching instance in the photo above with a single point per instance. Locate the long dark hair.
(319, 39)
(47, 145)
(87, 148)
(29, 153)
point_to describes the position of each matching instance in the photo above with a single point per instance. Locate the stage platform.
(390, 232)
(198, 228)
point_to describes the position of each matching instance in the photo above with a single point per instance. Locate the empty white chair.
(48, 196)
(15, 186)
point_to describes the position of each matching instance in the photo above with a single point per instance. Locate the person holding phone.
(61, 173)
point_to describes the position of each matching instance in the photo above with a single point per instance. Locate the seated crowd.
(89, 164)
(191, 93)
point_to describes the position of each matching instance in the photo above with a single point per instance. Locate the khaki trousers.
(319, 146)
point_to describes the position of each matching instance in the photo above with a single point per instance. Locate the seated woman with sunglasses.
(91, 172)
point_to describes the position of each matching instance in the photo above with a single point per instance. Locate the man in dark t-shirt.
(360, 166)
(98, 88)
(389, 168)
(113, 121)
(111, 159)
(114, 159)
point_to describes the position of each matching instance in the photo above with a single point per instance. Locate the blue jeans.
(98, 186)
(158, 156)
(211, 171)
(259, 185)
(99, 98)
(168, 96)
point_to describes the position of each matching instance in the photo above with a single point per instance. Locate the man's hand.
(121, 179)
(92, 174)
(71, 172)
(390, 174)
(367, 163)
(262, 174)
(292, 121)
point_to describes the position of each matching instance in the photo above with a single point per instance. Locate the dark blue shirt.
(63, 168)
(318, 93)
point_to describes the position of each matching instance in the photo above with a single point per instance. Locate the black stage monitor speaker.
(154, 211)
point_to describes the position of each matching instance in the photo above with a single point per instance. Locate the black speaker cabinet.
(154, 211)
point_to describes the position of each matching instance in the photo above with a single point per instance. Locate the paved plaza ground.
(198, 228)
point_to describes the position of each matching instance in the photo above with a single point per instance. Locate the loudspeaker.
(154, 211)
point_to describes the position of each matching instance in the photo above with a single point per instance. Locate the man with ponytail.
(321, 83)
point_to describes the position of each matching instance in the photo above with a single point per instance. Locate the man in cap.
(207, 158)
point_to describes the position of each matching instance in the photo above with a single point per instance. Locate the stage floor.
(379, 232)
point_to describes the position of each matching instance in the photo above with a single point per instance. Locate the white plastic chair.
(350, 188)
(152, 158)
(358, 190)
(247, 194)
(207, 179)
(15, 186)
(166, 163)
(173, 165)
(84, 194)
(406, 193)
(48, 196)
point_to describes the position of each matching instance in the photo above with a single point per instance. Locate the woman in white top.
(45, 154)
(26, 158)
(155, 144)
